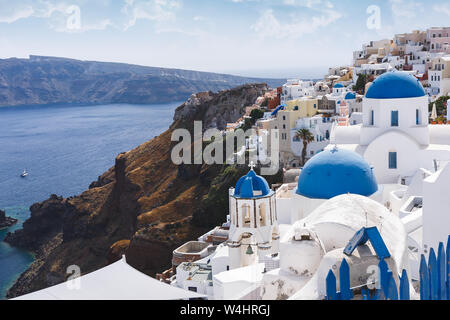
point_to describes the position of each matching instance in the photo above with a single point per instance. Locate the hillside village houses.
(422, 54)
(295, 89)
(439, 75)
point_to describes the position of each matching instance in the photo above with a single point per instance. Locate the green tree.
(306, 136)
(248, 123)
(360, 86)
(265, 102)
(256, 114)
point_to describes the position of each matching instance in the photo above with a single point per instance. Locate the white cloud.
(269, 26)
(154, 10)
(20, 13)
(442, 8)
(408, 9)
(56, 12)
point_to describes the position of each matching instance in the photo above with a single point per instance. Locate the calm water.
(64, 149)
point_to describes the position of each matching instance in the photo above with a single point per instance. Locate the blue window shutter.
(392, 160)
(372, 118)
(394, 118)
(417, 117)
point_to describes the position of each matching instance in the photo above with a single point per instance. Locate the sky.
(263, 38)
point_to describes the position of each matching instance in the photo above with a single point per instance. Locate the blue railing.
(434, 280)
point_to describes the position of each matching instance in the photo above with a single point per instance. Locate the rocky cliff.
(5, 221)
(47, 80)
(144, 206)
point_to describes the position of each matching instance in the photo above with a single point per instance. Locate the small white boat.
(24, 174)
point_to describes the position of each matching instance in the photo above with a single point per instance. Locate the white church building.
(395, 137)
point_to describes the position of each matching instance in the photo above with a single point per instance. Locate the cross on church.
(252, 165)
(335, 149)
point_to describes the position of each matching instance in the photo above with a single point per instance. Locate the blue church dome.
(350, 96)
(251, 186)
(338, 85)
(331, 173)
(395, 85)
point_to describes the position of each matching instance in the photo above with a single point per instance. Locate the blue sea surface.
(64, 148)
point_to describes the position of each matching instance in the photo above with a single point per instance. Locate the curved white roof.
(356, 212)
(118, 281)
(345, 134)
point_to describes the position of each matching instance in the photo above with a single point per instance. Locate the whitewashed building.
(395, 126)
(296, 89)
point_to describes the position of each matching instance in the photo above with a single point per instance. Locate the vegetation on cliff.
(213, 208)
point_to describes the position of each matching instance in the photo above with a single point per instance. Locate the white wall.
(436, 208)
(377, 154)
(406, 118)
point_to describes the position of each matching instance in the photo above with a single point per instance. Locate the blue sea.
(64, 148)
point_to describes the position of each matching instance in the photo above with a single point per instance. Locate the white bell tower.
(254, 228)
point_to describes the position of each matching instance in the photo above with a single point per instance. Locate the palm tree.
(306, 136)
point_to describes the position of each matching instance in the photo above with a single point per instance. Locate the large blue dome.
(395, 85)
(251, 186)
(331, 173)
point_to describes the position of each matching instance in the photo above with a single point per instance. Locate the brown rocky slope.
(143, 207)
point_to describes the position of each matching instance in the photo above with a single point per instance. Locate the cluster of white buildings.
(390, 172)
(422, 53)
(313, 106)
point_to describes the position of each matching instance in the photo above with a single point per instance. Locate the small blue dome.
(338, 85)
(331, 173)
(350, 96)
(251, 186)
(395, 85)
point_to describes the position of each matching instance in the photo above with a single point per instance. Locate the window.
(417, 117)
(284, 126)
(262, 215)
(372, 118)
(392, 160)
(284, 117)
(246, 214)
(394, 118)
(193, 289)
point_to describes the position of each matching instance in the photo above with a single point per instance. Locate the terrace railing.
(434, 280)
